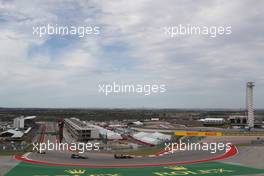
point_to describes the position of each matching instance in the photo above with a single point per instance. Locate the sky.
(65, 71)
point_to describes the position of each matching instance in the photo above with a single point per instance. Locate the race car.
(41, 152)
(77, 156)
(122, 156)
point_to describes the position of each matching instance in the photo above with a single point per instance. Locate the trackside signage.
(194, 133)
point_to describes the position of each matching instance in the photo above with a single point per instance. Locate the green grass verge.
(204, 169)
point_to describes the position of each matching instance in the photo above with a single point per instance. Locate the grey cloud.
(193, 67)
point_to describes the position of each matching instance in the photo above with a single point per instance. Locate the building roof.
(78, 124)
(161, 136)
(237, 116)
(30, 117)
(151, 138)
(28, 130)
(138, 123)
(110, 134)
(214, 119)
(16, 134)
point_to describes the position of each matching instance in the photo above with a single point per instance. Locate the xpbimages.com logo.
(142, 89)
(62, 30)
(188, 29)
(80, 147)
(212, 147)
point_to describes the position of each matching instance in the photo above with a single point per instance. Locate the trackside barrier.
(219, 134)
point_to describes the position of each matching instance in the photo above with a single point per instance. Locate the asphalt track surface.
(109, 160)
(57, 163)
(97, 159)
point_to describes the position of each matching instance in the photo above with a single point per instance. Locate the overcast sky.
(198, 71)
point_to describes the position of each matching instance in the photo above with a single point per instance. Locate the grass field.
(204, 169)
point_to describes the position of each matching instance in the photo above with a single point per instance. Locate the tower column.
(250, 107)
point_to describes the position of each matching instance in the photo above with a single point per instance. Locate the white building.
(111, 135)
(161, 137)
(151, 138)
(13, 134)
(24, 122)
(238, 120)
(213, 121)
(138, 123)
(80, 130)
(154, 119)
(19, 122)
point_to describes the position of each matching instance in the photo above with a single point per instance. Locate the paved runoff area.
(6, 164)
(203, 169)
